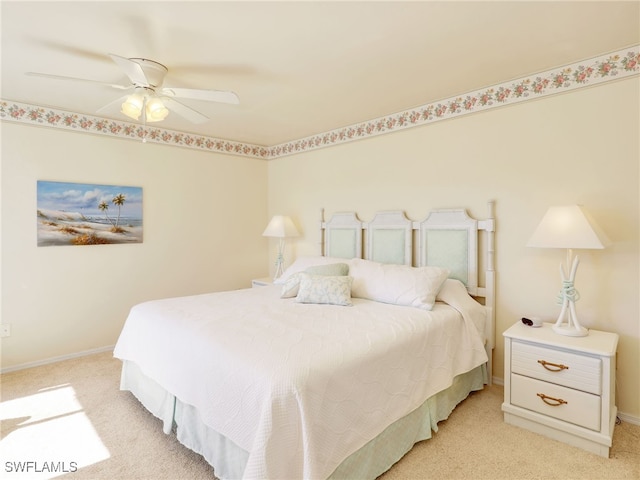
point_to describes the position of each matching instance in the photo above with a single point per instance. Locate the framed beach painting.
(88, 214)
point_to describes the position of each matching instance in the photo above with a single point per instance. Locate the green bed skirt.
(369, 462)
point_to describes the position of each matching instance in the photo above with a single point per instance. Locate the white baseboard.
(629, 418)
(61, 358)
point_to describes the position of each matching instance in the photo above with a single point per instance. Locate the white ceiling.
(300, 68)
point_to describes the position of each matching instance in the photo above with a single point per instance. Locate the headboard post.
(489, 226)
(322, 225)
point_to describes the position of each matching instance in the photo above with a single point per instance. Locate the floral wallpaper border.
(605, 68)
(597, 70)
(50, 117)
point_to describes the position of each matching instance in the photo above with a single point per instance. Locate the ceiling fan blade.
(109, 107)
(131, 70)
(74, 79)
(69, 49)
(206, 95)
(181, 109)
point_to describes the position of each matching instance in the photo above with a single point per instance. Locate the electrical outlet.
(5, 330)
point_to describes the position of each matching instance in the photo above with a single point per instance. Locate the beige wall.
(579, 147)
(203, 218)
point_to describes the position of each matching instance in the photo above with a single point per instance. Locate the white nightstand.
(561, 387)
(261, 282)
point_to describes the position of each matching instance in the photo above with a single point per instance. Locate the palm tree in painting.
(104, 206)
(119, 201)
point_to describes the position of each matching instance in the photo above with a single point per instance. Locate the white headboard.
(342, 236)
(447, 238)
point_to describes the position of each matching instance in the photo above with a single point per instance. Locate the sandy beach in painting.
(57, 227)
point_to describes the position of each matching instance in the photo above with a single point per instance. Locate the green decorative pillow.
(333, 269)
(324, 289)
(300, 264)
(292, 284)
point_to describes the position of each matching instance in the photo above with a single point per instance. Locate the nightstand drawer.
(581, 372)
(581, 408)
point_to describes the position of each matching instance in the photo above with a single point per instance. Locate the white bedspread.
(300, 387)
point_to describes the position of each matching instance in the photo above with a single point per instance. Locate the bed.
(339, 368)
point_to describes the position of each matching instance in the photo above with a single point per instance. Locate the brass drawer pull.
(554, 402)
(553, 367)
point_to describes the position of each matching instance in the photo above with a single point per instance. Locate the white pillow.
(302, 263)
(396, 284)
(291, 284)
(324, 289)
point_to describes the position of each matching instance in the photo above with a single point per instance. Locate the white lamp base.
(568, 296)
(279, 260)
(571, 331)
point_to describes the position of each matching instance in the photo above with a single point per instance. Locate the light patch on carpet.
(47, 435)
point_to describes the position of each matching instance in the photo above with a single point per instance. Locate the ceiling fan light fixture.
(149, 96)
(132, 106)
(155, 110)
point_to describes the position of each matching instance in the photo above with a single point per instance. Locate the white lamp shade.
(280, 226)
(132, 106)
(156, 111)
(568, 227)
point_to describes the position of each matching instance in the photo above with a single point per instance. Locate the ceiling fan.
(150, 99)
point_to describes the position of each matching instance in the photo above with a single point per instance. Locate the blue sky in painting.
(85, 198)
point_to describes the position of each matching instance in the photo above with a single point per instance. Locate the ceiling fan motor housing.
(154, 71)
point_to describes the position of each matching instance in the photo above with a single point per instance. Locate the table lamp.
(569, 227)
(280, 227)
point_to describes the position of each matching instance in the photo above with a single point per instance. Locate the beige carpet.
(71, 416)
